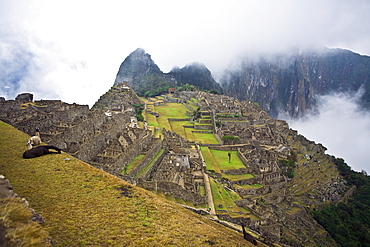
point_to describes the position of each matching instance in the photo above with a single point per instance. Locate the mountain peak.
(137, 64)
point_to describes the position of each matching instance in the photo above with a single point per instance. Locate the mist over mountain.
(290, 83)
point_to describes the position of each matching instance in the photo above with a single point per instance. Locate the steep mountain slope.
(140, 72)
(290, 83)
(196, 74)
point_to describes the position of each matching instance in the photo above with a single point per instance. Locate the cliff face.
(290, 83)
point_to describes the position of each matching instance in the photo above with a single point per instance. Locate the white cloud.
(342, 127)
(71, 50)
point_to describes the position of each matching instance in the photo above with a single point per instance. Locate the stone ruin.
(109, 137)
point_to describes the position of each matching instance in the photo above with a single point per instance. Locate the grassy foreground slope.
(84, 206)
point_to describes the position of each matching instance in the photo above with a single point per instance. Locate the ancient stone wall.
(203, 127)
(151, 153)
(153, 168)
(91, 136)
(129, 153)
(174, 189)
(178, 119)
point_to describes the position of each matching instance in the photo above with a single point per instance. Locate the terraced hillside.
(179, 118)
(265, 175)
(268, 178)
(84, 206)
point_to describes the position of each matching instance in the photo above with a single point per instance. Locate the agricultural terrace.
(218, 160)
(133, 164)
(184, 128)
(147, 167)
(224, 201)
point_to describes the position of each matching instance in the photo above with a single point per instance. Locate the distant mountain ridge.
(291, 83)
(140, 72)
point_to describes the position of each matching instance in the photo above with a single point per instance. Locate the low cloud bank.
(341, 126)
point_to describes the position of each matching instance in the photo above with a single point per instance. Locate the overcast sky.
(71, 50)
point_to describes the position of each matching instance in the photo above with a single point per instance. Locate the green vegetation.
(213, 91)
(230, 140)
(150, 85)
(218, 160)
(177, 111)
(187, 87)
(138, 111)
(133, 164)
(222, 160)
(84, 206)
(238, 177)
(211, 162)
(196, 113)
(147, 167)
(178, 127)
(250, 186)
(349, 224)
(205, 138)
(223, 199)
(290, 163)
(172, 110)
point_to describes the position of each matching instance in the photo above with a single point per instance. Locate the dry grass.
(84, 206)
(19, 230)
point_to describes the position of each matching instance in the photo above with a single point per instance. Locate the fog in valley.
(341, 126)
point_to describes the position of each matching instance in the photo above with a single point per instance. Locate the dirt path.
(210, 203)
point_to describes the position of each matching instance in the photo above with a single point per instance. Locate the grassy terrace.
(149, 164)
(248, 186)
(172, 110)
(178, 127)
(210, 160)
(204, 138)
(222, 159)
(176, 111)
(224, 200)
(238, 177)
(305, 178)
(217, 160)
(133, 164)
(84, 206)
